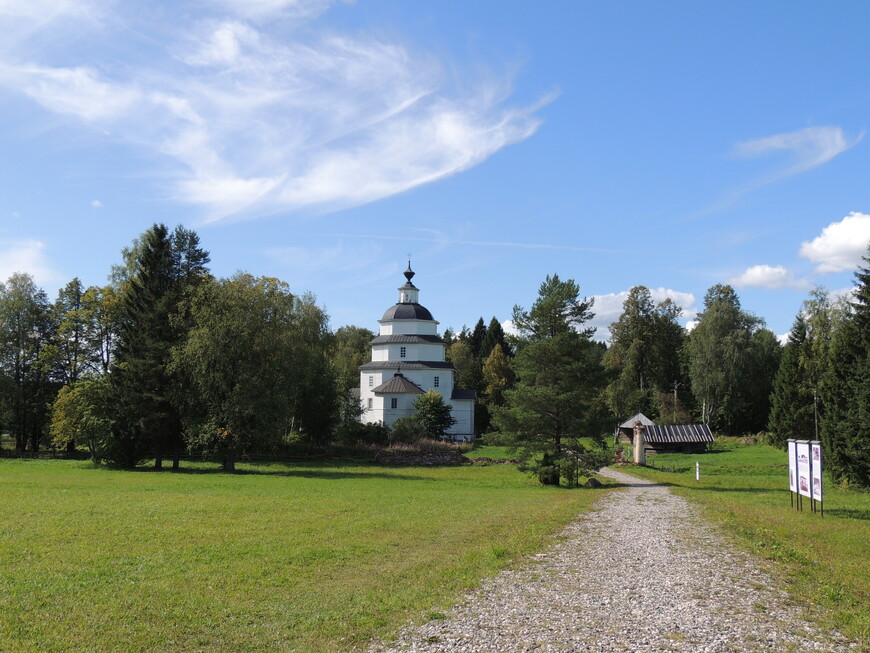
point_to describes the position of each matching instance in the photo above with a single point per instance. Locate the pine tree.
(556, 399)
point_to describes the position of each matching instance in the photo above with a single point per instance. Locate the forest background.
(166, 361)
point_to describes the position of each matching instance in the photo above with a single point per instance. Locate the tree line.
(563, 392)
(166, 360)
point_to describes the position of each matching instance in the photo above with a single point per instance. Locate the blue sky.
(671, 144)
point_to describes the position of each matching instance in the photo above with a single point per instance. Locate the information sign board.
(804, 479)
(816, 469)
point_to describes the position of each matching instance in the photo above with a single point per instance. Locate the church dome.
(407, 312)
(407, 307)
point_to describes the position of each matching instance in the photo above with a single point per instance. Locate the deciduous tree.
(433, 413)
(244, 360)
(26, 328)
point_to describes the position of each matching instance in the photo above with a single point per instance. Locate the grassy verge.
(318, 556)
(825, 560)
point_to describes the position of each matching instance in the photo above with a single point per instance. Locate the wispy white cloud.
(770, 277)
(97, 204)
(73, 91)
(26, 256)
(809, 148)
(264, 9)
(841, 244)
(252, 117)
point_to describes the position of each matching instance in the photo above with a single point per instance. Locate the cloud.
(841, 244)
(97, 204)
(251, 118)
(768, 277)
(264, 9)
(608, 307)
(73, 91)
(27, 256)
(810, 147)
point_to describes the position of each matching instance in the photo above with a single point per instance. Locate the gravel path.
(643, 573)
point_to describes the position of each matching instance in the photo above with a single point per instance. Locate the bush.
(407, 430)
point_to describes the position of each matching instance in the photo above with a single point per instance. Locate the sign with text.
(792, 466)
(816, 469)
(804, 480)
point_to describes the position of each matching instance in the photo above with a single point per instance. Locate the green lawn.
(319, 556)
(745, 488)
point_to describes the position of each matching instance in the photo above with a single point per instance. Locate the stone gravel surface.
(642, 573)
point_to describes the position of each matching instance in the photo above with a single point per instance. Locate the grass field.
(319, 556)
(825, 560)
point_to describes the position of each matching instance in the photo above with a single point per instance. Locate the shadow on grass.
(848, 513)
(323, 473)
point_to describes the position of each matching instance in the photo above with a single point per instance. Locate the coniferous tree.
(556, 398)
(475, 339)
(495, 336)
(791, 412)
(846, 391)
(161, 270)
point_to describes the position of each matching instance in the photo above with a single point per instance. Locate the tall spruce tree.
(846, 391)
(162, 268)
(791, 409)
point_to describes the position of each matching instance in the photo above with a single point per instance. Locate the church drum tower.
(408, 358)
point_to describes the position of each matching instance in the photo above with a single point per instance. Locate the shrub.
(407, 430)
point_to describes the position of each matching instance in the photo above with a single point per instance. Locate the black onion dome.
(407, 312)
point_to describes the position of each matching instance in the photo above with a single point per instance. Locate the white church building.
(408, 359)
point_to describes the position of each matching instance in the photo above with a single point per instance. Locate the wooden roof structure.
(678, 433)
(640, 417)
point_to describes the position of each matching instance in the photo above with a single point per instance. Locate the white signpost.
(803, 468)
(805, 472)
(816, 474)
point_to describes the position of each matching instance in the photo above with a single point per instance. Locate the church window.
(371, 381)
(394, 403)
(437, 380)
(402, 351)
(370, 403)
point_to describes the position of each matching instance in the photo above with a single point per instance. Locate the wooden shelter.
(625, 432)
(670, 438)
(678, 438)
